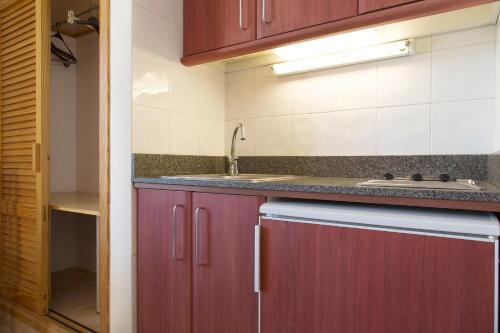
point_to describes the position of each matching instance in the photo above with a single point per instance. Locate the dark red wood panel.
(223, 295)
(392, 14)
(213, 24)
(366, 6)
(163, 284)
(279, 16)
(320, 279)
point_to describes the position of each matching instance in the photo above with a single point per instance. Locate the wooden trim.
(42, 324)
(389, 15)
(104, 109)
(43, 140)
(71, 324)
(393, 201)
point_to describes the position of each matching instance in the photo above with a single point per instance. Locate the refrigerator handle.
(257, 260)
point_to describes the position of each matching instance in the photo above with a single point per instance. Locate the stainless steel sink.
(252, 178)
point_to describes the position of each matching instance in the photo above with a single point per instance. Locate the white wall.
(122, 249)
(497, 100)
(439, 101)
(63, 125)
(87, 101)
(177, 110)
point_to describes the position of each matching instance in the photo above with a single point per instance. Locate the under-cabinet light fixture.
(347, 57)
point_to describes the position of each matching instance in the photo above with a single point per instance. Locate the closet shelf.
(75, 202)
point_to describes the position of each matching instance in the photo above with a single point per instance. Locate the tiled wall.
(439, 101)
(176, 110)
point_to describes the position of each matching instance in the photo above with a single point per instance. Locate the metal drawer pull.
(174, 218)
(264, 12)
(197, 236)
(241, 15)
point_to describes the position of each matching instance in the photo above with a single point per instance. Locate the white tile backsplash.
(463, 73)
(185, 134)
(211, 137)
(383, 107)
(404, 81)
(404, 130)
(354, 87)
(310, 135)
(154, 45)
(177, 109)
(240, 100)
(185, 92)
(151, 130)
(464, 38)
(354, 132)
(377, 108)
(310, 93)
(151, 86)
(463, 127)
(272, 136)
(272, 97)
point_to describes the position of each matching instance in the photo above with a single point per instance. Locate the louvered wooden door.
(24, 101)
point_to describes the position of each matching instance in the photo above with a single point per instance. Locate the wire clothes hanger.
(65, 56)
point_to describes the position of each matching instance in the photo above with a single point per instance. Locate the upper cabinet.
(221, 29)
(213, 24)
(280, 16)
(366, 6)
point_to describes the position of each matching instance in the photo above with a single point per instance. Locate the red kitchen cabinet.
(164, 261)
(279, 16)
(213, 24)
(366, 6)
(223, 263)
(318, 278)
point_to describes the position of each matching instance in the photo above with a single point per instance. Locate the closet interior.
(74, 163)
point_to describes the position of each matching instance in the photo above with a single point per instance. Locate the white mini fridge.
(329, 267)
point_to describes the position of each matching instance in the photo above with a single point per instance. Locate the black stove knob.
(417, 177)
(444, 177)
(388, 176)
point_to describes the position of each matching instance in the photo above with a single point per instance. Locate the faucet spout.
(232, 158)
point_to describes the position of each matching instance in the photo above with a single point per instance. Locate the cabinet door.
(280, 16)
(24, 171)
(331, 279)
(213, 24)
(366, 6)
(163, 261)
(224, 300)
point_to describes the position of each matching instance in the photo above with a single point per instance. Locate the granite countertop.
(336, 185)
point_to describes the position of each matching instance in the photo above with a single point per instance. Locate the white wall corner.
(497, 91)
(121, 204)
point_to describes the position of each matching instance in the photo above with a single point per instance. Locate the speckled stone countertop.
(331, 175)
(336, 185)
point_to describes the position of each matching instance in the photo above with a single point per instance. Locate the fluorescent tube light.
(349, 57)
(330, 44)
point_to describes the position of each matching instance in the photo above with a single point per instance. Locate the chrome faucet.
(232, 158)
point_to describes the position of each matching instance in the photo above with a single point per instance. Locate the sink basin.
(252, 178)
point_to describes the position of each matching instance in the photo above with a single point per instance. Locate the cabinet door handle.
(243, 25)
(257, 260)
(197, 236)
(264, 11)
(174, 219)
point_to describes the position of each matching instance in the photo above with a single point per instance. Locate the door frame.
(104, 158)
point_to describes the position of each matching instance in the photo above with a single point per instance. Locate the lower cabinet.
(163, 261)
(195, 270)
(318, 279)
(224, 300)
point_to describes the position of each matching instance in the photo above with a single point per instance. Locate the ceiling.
(60, 13)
